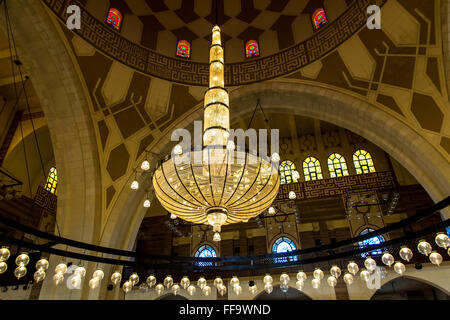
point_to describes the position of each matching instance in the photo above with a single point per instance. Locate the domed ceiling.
(276, 24)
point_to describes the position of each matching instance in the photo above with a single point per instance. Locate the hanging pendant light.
(318, 274)
(159, 288)
(388, 259)
(332, 281)
(222, 289)
(399, 268)
(268, 287)
(145, 165)
(146, 203)
(168, 282)
(348, 278)
(435, 258)
(134, 279)
(3, 267)
(292, 195)
(267, 279)
(201, 282)
(370, 264)
(206, 290)
(237, 289)
(39, 275)
(284, 278)
(42, 264)
(127, 286)
(335, 271)
(315, 283)
(353, 268)
(217, 237)
(116, 277)
(20, 272)
(151, 281)
(442, 240)
(300, 284)
(22, 259)
(4, 254)
(218, 281)
(424, 247)
(185, 282)
(175, 289)
(252, 287)
(301, 276)
(406, 253)
(234, 281)
(191, 289)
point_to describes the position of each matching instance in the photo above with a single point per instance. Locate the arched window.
(205, 251)
(337, 165)
(312, 169)
(370, 242)
(319, 18)
(251, 49)
(114, 18)
(286, 170)
(52, 181)
(184, 49)
(363, 162)
(284, 244)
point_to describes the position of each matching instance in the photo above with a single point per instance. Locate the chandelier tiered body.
(216, 185)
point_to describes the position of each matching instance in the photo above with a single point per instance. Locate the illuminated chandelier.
(216, 185)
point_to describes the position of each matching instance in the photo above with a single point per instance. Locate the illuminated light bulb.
(159, 288)
(145, 165)
(348, 278)
(177, 150)
(267, 279)
(315, 283)
(442, 240)
(134, 185)
(424, 247)
(370, 264)
(175, 289)
(284, 278)
(147, 203)
(268, 287)
(332, 281)
(151, 281)
(22, 259)
(222, 289)
(3, 267)
(20, 272)
(94, 283)
(206, 290)
(292, 195)
(230, 145)
(253, 289)
(201, 282)
(296, 175)
(399, 267)
(81, 271)
(61, 268)
(168, 281)
(218, 281)
(271, 210)
(39, 275)
(58, 278)
(352, 267)
(134, 279)
(318, 274)
(335, 271)
(406, 253)
(388, 259)
(191, 290)
(76, 281)
(127, 286)
(237, 289)
(275, 157)
(365, 275)
(42, 264)
(301, 276)
(217, 237)
(98, 274)
(300, 284)
(435, 258)
(4, 253)
(172, 216)
(234, 281)
(116, 277)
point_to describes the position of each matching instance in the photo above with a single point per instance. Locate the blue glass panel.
(284, 244)
(370, 242)
(205, 251)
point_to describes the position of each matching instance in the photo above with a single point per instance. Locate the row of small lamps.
(425, 248)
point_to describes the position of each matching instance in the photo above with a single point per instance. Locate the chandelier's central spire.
(216, 102)
(227, 185)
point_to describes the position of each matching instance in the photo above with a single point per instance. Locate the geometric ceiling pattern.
(399, 69)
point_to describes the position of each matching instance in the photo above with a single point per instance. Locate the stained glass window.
(52, 181)
(114, 18)
(251, 49)
(319, 18)
(370, 242)
(312, 169)
(363, 162)
(337, 165)
(284, 244)
(205, 251)
(184, 49)
(286, 170)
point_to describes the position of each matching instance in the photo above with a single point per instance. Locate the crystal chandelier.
(226, 185)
